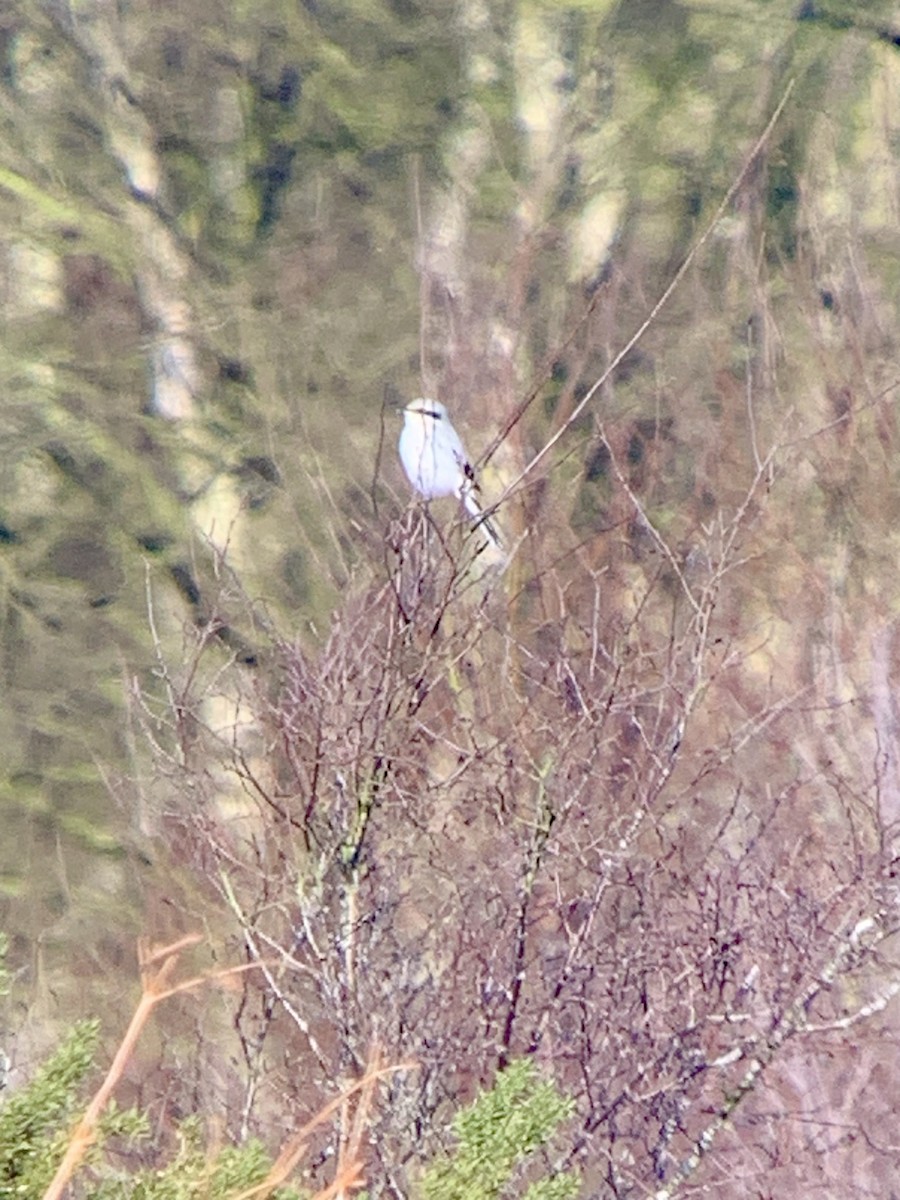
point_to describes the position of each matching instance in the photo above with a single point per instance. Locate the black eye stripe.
(430, 412)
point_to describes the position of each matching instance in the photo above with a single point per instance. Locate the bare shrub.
(602, 834)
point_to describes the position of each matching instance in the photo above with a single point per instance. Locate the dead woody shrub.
(601, 835)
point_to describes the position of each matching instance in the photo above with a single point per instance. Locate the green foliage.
(36, 1123)
(193, 1172)
(497, 1132)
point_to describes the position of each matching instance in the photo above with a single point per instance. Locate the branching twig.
(760, 1056)
(349, 1168)
(658, 306)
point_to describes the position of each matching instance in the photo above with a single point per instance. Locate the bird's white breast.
(428, 452)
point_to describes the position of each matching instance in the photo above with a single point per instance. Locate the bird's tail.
(480, 519)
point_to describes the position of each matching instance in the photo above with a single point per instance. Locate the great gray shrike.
(435, 460)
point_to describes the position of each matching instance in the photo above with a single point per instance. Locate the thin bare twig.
(658, 306)
(349, 1167)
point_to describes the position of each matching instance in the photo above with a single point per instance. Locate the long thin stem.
(658, 306)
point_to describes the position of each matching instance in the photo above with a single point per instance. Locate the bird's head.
(426, 410)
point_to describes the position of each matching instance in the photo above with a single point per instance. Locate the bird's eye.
(431, 412)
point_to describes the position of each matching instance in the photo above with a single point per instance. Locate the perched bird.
(435, 460)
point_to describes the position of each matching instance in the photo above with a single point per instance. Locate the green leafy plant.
(193, 1172)
(35, 1122)
(47, 1135)
(498, 1133)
